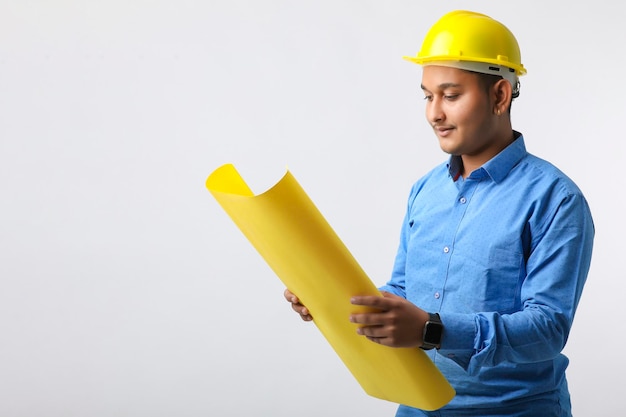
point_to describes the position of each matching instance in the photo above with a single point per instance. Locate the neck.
(475, 161)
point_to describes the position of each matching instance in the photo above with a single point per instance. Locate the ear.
(502, 94)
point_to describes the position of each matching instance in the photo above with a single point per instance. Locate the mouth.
(443, 131)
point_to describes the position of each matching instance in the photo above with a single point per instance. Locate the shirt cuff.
(459, 337)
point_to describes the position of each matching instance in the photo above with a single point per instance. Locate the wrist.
(432, 332)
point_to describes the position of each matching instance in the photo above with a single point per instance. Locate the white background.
(127, 291)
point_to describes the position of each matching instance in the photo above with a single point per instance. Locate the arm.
(556, 270)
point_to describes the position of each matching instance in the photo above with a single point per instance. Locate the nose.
(434, 112)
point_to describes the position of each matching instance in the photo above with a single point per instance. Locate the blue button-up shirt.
(502, 256)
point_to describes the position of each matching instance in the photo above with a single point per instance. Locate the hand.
(297, 306)
(398, 323)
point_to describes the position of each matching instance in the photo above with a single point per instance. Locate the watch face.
(433, 333)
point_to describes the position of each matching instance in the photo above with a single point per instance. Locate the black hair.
(489, 80)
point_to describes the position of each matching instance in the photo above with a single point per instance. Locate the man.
(496, 243)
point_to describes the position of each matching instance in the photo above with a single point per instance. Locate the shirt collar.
(497, 167)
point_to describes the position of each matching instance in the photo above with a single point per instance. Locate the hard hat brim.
(519, 69)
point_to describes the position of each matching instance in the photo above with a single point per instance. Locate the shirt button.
(446, 249)
(462, 200)
(437, 295)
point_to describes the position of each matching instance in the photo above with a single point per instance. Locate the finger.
(300, 309)
(304, 313)
(291, 297)
(297, 306)
(379, 340)
(375, 332)
(378, 304)
(389, 295)
(370, 301)
(368, 319)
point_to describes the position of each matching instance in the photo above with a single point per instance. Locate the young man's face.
(461, 111)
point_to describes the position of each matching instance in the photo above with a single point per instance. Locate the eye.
(451, 97)
(428, 98)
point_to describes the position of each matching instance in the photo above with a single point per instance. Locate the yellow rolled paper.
(302, 249)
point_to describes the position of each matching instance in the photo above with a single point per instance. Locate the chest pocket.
(487, 281)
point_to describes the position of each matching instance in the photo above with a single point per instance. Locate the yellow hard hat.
(469, 37)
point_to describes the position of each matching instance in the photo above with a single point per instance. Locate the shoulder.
(543, 175)
(433, 179)
(438, 174)
(547, 193)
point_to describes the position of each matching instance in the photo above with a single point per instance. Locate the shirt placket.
(460, 205)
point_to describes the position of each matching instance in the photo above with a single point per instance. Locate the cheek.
(461, 115)
(468, 116)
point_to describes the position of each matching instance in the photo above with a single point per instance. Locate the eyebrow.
(442, 86)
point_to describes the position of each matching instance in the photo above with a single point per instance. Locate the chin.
(450, 150)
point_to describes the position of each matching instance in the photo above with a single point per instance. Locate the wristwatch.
(433, 330)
